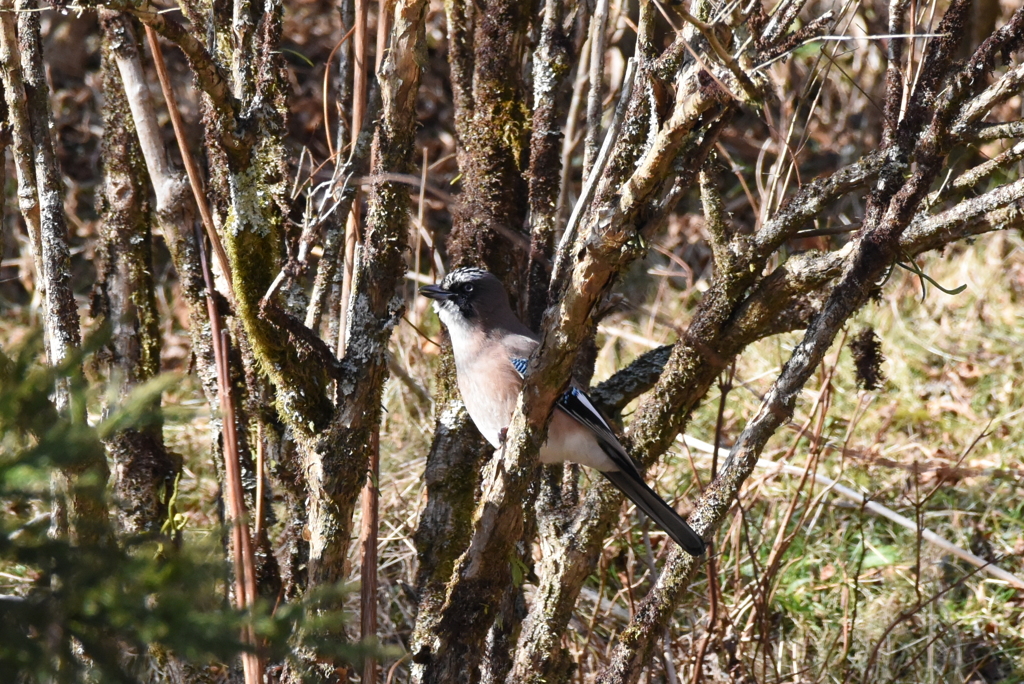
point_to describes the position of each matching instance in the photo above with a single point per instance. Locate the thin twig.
(368, 546)
(327, 77)
(595, 173)
(594, 100)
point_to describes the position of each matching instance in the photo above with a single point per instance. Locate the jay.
(491, 348)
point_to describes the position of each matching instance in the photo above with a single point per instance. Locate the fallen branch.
(873, 506)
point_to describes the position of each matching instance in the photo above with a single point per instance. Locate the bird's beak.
(436, 292)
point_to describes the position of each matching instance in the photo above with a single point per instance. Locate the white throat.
(459, 329)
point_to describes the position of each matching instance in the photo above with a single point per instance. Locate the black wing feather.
(627, 478)
(578, 406)
(663, 515)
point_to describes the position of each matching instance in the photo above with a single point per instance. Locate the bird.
(491, 348)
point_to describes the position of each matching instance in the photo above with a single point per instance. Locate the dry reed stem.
(191, 168)
(242, 560)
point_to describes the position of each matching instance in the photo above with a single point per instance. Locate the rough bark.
(79, 511)
(451, 477)
(483, 571)
(175, 209)
(236, 132)
(486, 41)
(573, 537)
(552, 65)
(21, 137)
(375, 306)
(595, 99)
(328, 274)
(62, 325)
(875, 249)
(144, 471)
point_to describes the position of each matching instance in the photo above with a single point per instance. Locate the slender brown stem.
(327, 80)
(260, 472)
(384, 8)
(191, 168)
(368, 545)
(243, 558)
(358, 111)
(702, 647)
(359, 82)
(724, 387)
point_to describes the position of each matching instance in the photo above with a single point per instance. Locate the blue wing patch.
(577, 404)
(574, 402)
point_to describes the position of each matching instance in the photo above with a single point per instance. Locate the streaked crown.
(461, 276)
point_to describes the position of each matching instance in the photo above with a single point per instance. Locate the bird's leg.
(502, 441)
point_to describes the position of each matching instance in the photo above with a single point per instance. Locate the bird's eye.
(467, 288)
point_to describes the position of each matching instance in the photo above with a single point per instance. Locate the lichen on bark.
(144, 470)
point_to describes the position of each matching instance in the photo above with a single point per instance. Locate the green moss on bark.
(252, 235)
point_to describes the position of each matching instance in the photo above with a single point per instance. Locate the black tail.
(663, 515)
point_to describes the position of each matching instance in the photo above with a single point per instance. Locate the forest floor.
(811, 586)
(938, 443)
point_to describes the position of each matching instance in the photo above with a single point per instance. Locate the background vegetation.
(782, 223)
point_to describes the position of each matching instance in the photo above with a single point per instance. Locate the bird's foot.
(498, 465)
(503, 441)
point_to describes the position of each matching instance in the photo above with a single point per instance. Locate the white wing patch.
(576, 404)
(593, 415)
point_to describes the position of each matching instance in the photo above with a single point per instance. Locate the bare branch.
(175, 207)
(995, 131)
(551, 68)
(595, 100)
(1000, 91)
(486, 44)
(970, 178)
(62, 324)
(144, 470)
(714, 218)
(812, 199)
(781, 19)
(191, 168)
(961, 220)
(344, 194)
(211, 78)
(612, 395)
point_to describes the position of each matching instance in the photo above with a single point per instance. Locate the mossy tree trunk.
(310, 414)
(79, 509)
(486, 46)
(145, 473)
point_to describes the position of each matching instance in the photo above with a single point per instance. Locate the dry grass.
(939, 442)
(941, 432)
